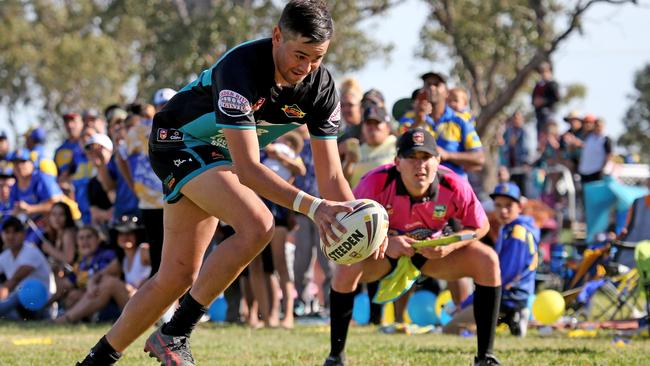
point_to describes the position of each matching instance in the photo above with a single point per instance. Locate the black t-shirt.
(97, 196)
(239, 91)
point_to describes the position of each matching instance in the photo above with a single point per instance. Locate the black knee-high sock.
(340, 315)
(185, 318)
(102, 354)
(486, 312)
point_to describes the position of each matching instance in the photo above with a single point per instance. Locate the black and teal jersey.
(239, 91)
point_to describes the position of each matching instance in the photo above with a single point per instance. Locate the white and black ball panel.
(367, 227)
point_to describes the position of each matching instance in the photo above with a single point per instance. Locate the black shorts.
(176, 159)
(418, 261)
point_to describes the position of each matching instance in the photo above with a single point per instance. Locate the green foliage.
(637, 119)
(73, 54)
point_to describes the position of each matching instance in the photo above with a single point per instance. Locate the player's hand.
(380, 253)
(400, 246)
(436, 252)
(325, 218)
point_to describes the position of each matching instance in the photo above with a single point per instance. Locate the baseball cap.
(100, 139)
(162, 96)
(37, 135)
(416, 139)
(572, 115)
(22, 154)
(507, 189)
(373, 97)
(116, 114)
(435, 75)
(89, 113)
(3, 135)
(70, 115)
(6, 171)
(375, 113)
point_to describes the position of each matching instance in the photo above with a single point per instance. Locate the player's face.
(417, 171)
(506, 209)
(294, 58)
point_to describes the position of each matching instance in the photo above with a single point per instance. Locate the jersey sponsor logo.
(219, 140)
(293, 111)
(179, 162)
(439, 211)
(336, 114)
(233, 104)
(169, 181)
(258, 104)
(169, 135)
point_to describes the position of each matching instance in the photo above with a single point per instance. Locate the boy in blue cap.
(516, 246)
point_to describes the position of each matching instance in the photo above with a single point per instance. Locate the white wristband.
(298, 200)
(313, 207)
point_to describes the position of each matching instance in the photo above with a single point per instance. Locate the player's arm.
(329, 173)
(244, 150)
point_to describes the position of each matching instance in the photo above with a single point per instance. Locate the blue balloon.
(361, 309)
(218, 309)
(422, 308)
(32, 294)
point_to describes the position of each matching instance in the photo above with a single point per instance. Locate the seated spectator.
(96, 262)
(35, 192)
(60, 232)
(18, 262)
(420, 115)
(516, 246)
(377, 149)
(7, 181)
(109, 287)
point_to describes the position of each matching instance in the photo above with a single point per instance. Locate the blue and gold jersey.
(455, 132)
(517, 250)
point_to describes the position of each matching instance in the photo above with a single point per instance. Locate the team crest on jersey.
(293, 111)
(439, 211)
(258, 104)
(418, 137)
(169, 135)
(233, 104)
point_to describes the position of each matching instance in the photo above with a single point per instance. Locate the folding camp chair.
(642, 259)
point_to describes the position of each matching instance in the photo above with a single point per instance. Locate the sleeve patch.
(233, 104)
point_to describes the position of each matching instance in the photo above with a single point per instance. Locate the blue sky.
(613, 46)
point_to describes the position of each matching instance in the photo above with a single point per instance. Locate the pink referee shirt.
(449, 196)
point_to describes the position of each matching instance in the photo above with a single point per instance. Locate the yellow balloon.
(548, 307)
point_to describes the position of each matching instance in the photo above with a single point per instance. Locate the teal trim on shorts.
(177, 190)
(253, 127)
(324, 137)
(195, 155)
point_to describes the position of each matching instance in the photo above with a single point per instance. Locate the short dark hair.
(14, 223)
(308, 18)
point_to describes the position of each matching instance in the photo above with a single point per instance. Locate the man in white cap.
(162, 96)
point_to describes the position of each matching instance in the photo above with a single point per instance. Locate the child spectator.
(283, 156)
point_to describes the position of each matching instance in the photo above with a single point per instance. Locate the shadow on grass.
(536, 350)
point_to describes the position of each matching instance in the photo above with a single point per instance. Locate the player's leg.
(344, 283)
(481, 263)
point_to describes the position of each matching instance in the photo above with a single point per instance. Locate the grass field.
(308, 345)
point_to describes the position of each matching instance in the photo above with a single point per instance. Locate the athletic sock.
(185, 318)
(102, 354)
(486, 312)
(340, 315)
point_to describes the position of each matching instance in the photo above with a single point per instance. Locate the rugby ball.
(367, 227)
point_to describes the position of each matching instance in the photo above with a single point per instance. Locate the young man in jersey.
(420, 197)
(205, 145)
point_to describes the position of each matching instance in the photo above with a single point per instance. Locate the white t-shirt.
(31, 256)
(138, 272)
(276, 165)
